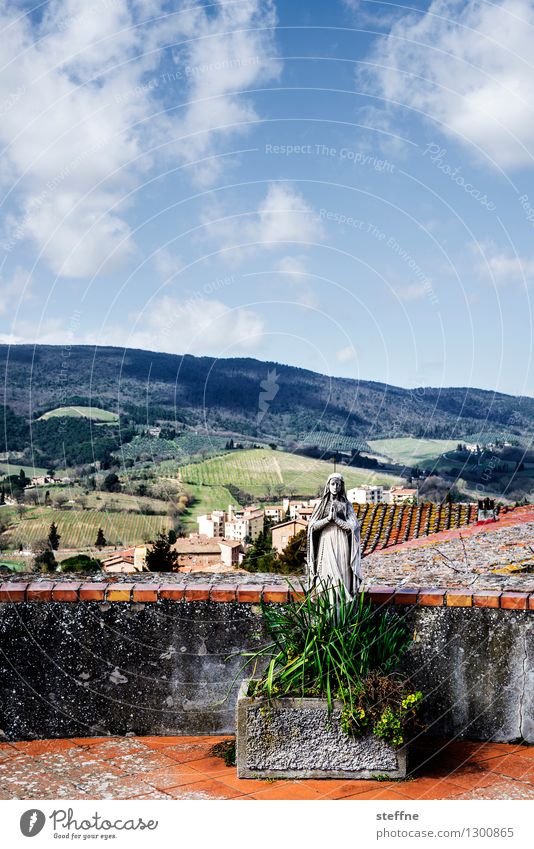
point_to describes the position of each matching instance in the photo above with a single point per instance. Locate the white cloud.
(282, 216)
(500, 267)
(227, 53)
(199, 326)
(167, 264)
(84, 102)
(468, 65)
(293, 267)
(412, 291)
(347, 354)
(14, 290)
(196, 326)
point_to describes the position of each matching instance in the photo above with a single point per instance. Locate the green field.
(93, 413)
(256, 470)
(78, 528)
(207, 498)
(14, 468)
(335, 442)
(411, 451)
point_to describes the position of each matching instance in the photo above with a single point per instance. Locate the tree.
(60, 499)
(171, 536)
(45, 561)
(53, 537)
(161, 557)
(2, 496)
(100, 539)
(112, 483)
(80, 563)
(292, 560)
(261, 556)
(47, 499)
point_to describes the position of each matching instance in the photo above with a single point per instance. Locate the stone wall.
(90, 658)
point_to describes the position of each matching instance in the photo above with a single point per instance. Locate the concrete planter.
(298, 738)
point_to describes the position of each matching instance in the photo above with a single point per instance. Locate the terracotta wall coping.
(246, 593)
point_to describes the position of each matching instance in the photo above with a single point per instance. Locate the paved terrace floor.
(185, 768)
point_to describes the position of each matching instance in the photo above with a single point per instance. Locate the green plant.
(383, 705)
(332, 646)
(80, 563)
(225, 750)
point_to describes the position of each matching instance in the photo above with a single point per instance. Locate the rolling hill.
(265, 401)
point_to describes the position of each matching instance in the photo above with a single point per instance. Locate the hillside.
(241, 396)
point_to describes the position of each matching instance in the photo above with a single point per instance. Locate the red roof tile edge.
(248, 593)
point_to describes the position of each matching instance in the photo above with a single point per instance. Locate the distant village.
(224, 536)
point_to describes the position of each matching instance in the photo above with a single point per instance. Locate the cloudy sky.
(344, 186)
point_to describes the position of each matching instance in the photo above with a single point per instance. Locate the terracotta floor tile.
(514, 766)
(325, 786)
(98, 780)
(287, 790)
(526, 752)
(93, 741)
(377, 795)
(72, 760)
(142, 761)
(428, 788)
(117, 747)
(351, 788)
(125, 788)
(156, 794)
(188, 751)
(500, 790)
(20, 765)
(163, 742)
(173, 776)
(472, 778)
(8, 754)
(46, 787)
(41, 747)
(244, 785)
(488, 751)
(210, 765)
(182, 767)
(210, 789)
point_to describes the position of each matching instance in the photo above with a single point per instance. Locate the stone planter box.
(298, 738)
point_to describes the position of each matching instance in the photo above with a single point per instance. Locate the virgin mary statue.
(334, 555)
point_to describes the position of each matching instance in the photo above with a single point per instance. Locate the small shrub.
(226, 751)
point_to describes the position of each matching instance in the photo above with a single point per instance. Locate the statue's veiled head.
(335, 485)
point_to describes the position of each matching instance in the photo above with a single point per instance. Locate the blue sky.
(343, 186)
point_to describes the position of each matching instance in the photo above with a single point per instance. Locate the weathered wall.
(476, 670)
(77, 668)
(95, 669)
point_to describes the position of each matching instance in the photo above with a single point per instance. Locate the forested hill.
(242, 395)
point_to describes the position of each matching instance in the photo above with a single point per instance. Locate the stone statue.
(334, 555)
